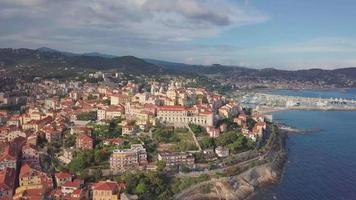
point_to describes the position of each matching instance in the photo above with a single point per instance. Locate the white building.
(180, 115)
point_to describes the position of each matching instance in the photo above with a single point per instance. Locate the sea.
(320, 165)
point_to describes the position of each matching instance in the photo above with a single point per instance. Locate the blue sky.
(286, 34)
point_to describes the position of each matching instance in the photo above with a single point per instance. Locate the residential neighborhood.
(76, 140)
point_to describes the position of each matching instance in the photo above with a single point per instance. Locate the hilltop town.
(106, 136)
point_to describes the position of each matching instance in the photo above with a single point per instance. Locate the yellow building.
(106, 190)
(30, 178)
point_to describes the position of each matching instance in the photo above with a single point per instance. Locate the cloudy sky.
(289, 34)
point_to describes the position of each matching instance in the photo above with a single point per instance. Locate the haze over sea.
(322, 165)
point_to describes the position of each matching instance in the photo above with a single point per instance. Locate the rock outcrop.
(232, 188)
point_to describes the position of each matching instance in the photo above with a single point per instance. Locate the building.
(79, 194)
(213, 132)
(8, 157)
(69, 187)
(79, 130)
(29, 194)
(177, 158)
(37, 124)
(7, 183)
(241, 120)
(84, 142)
(31, 178)
(53, 135)
(110, 112)
(128, 129)
(135, 157)
(180, 115)
(115, 141)
(222, 152)
(62, 177)
(15, 134)
(119, 99)
(30, 155)
(106, 190)
(259, 128)
(223, 127)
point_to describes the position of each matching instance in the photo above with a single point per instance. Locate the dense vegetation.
(112, 130)
(87, 116)
(235, 141)
(156, 185)
(180, 137)
(58, 64)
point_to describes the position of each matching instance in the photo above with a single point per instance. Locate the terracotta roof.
(75, 183)
(85, 138)
(172, 108)
(63, 175)
(77, 191)
(7, 178)
(116, 140)
(106, 185)
(26, 170)
(8, 153)
(57, 191)
(33, 194)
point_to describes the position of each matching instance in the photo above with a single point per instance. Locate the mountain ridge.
(42, 59)
(53, 61)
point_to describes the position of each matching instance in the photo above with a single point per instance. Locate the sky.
(284, 34)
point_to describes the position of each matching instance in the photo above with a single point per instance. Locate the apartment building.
(135, 157)
(173, 159)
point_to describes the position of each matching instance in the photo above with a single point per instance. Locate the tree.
(106, 102)
(150, 145)
(197, 130)
(226, 138)
(250, 123)
(207, 142)
(69, 141)
(92, 97)
(97, 174)
(113, 130)
(161, 165)
(82, 160)
(185, 169)
(164, 135)
(86, 116)
(141, 188)
(251, 144)
(76, 165)
(150, 185)
(101, 155)
(41, 140)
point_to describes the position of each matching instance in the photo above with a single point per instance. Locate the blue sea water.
(321, 165)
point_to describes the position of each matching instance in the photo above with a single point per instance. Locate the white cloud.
(129, 23)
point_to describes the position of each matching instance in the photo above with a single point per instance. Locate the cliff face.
(233, 188)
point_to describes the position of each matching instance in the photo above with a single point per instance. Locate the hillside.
(343, 77)
(51, 62)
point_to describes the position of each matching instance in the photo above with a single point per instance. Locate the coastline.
(244, 185)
